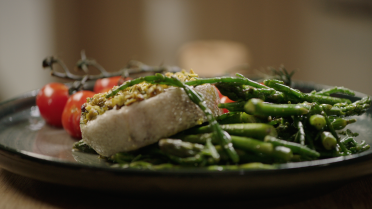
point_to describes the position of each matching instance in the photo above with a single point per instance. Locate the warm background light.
(325, 41)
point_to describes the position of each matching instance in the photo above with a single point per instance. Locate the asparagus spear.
(356, 108)
(282, 154)
(318, 121)
(334, 90)
(354, 146)
(233, 106)
(320, 99)
(335, 135)
(336, 110)
(279, 86)
(250, 166)
(253, 130)
(264, 152)
(295, 147)
(236, 117)
(83, 147)
(258, 107)
(267, 151)
(340, 123)
(279, 94)
(237, 81)
(252, 145)
(243, 143)
(245, 93)
(189, 153)
(300, 135)
(328, 140)
(180, 148)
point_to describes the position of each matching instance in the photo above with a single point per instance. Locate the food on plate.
(141, 115)
(172, 120)
(59, 104)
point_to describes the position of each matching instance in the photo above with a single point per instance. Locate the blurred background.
(324, 41)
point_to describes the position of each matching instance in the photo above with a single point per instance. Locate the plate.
(31, 148)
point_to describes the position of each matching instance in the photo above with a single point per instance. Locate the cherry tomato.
(219, 93)
(103, 84)
(122, 80)
(51, 100)
(225, 99)
(72, 111)
(105, 90)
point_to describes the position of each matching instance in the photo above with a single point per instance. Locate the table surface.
(21, 192)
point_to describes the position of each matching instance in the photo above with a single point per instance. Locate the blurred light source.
(214, 57)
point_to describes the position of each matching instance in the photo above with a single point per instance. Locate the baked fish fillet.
(145, 122)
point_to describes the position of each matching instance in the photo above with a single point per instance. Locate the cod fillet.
(146, 122)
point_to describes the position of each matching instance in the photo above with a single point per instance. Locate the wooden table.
(21, 192)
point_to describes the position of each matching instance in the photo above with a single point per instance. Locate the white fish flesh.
(146, 122)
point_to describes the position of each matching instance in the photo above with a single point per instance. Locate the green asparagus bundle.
(269, 123)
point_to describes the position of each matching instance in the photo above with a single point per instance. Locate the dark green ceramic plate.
(33, 149)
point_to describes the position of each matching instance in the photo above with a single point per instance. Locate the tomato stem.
(83, 64)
